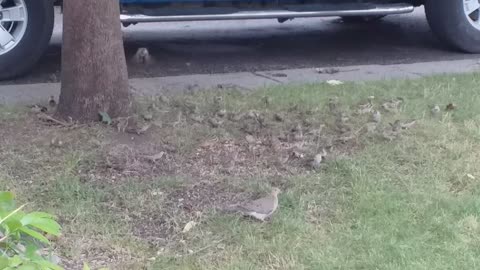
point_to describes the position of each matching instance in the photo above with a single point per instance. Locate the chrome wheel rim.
(472, 11)
(13, 24)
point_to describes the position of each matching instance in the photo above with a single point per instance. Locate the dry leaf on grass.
(334, 82)
(189, 226)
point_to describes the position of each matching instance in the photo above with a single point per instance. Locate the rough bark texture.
(94, 70)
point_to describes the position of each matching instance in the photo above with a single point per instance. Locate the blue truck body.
(26, 37)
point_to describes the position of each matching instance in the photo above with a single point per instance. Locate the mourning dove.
(262, 208)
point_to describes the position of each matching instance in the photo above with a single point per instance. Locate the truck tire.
(25, 33)
(455, 22)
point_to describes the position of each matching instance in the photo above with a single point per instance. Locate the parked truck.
(26, 25)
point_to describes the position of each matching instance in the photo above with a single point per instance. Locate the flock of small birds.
(263, 208)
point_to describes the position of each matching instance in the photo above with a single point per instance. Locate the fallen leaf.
(143, 129)
(189, 226)
(334, 82)
(470, 176)
(409, 125)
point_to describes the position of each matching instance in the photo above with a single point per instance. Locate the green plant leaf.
(29, 266)
(85, 266)
(3, 263)
(31, 251)
(42, 221)
(35, 235)
(12, 225)
(15, 261)
(49, 265)
(105, 118)
(7, 202)
(11, 214)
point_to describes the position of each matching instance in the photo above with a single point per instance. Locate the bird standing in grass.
(259, 209)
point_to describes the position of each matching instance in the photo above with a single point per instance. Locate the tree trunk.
(94, 69)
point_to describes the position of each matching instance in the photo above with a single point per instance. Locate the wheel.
(455, 22)
(25, 30)
(361, 19)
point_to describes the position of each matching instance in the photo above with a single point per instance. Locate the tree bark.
(94, 69)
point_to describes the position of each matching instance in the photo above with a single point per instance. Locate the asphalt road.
(260, 45)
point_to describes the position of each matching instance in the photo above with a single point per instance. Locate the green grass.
(402, 205)
(413, 203)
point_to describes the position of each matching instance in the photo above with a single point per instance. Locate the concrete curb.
(39, 93)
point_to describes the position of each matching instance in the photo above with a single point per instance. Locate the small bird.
(333, 105)
(38, 108)
(396, 126)
(260, 209)
(450, 107)
(392, 105)
(142, 57)
(341, 122)
(435, 110)
(376, 117)
(52, 102)
(365, 108)
(318, 159)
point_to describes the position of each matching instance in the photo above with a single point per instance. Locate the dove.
(318, 159)
(262, 208)
(376, 117)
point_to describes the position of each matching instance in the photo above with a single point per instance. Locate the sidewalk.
(35, 93)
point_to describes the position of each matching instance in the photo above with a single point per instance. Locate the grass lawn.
(386, 197)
